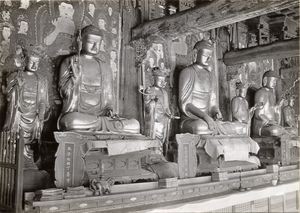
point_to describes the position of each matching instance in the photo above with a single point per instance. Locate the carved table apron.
(84, 156)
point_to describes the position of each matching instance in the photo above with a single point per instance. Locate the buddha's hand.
(211, 125)
(218, 116)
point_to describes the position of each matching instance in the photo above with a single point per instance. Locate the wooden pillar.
(129, 98)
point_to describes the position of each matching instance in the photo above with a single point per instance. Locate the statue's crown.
(204, 44)
(160, 72)
(91, 30)
(241, 85)
(271, 73)
(36, 50)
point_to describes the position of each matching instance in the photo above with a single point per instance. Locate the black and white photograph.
(149, 106)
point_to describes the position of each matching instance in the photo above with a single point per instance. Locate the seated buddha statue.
(267, 117)
(198, 97)
(86, 87)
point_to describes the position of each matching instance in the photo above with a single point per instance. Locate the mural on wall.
(54, 26)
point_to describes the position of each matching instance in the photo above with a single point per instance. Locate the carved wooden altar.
(194, 160)
(84, 156)
(274, 150)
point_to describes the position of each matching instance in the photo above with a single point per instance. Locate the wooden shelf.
(203, 18)
(279, 49)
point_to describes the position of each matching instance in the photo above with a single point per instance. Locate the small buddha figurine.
(198, 100)
(27, 96)
(240, 107)
(289, 116)
(267, 116)
(86, 87)
(157, 109)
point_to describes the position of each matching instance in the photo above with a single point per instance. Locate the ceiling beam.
(202, 18)
(279, 49)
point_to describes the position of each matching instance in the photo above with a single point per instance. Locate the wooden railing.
(11, 171)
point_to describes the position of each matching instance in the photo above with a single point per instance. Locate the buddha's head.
(270, 79)
(32, 64)
(204, 52)
(33, 56)
(159, 77)
(91, 40)
(241, 90)
(66, 10)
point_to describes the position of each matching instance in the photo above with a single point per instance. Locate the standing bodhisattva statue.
(198, 97)
(240, 107)
(86, 87)
(27, 95)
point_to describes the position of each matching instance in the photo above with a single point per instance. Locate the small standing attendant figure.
(290, 118)
(27, 96)
(157, 109)
(240, 107)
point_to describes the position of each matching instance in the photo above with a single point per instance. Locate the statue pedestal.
(283, 149)
(82, 156)
(200, 154)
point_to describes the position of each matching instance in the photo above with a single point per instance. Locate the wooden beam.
(280, 49)
(202, 18)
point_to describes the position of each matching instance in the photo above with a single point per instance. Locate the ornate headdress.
(241, 85)
(92, 30)
(160, 72)
(203, 44)
(36, 50)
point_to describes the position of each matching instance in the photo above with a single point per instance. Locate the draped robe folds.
(70, 91)
(207, 104)
(157, 113)
(21, 115)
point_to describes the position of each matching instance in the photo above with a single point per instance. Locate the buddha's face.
(6, 33)
(91, 44)
(33, 63)
(271, 82)
(66, 10)
(204, 57)
(91, 9)
(25, 4)
(242, 92)
(160, 81)
(101, 24)
(23, 27)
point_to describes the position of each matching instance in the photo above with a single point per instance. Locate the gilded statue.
(157, 109)
(289, 116)
(240, 107)
(28, 105)
(86, 87)
(267, 117)
(198, 97)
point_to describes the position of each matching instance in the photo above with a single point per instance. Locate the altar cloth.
(119, 147)
(236, 148)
